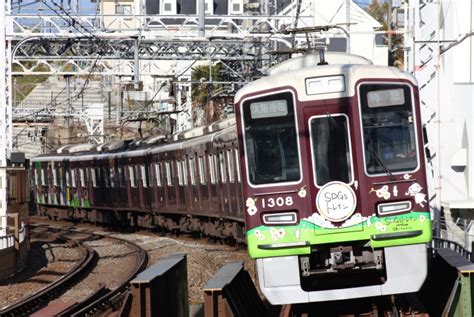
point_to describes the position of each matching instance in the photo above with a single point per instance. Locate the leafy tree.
(206, 109)
(380, 12)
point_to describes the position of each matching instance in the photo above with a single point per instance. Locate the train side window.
(202, 170)
(230, 165)
(94, 177)
(212, 168)
(82, 176)
(192, 170)
(112, 177)
(43, 178)
(61, 176)
(37, 177)
(121, 175)
(169, 173)
(55, 177)
(222, 167)
(159, 182)
(237, 164)
(145, 176)
(185, 172)
(131, 173)
(106, 173)
(68, 178)
(73, 177)
(179, 165)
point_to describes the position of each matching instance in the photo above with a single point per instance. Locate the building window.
(236, 7)
(123, 9)
(168, 7)
(208, 6)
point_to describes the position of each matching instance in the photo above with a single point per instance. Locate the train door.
(332, 165)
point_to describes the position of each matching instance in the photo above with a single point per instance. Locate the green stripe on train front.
(314, 234)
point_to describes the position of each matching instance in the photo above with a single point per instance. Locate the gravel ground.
(204, 259)
(47, 262)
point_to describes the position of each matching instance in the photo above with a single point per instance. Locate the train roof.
(296, 78)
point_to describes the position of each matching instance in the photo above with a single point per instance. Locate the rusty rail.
(40, 299)
(231, 292)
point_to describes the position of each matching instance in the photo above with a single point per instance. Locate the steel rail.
(40, 299)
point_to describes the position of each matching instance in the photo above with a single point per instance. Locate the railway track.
(38, 300)
(102, 300)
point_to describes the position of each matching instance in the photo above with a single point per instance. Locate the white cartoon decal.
(277, 233)
(251, 208)
(356, 185)
(381, 192)
(395, 191)
(380, 226)
(259, 235)
(406, 176)
(415, 191)
(298, 234)
(302, 192)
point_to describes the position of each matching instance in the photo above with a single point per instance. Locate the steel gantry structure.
(50, 38)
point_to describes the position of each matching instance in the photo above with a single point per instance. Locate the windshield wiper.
(380, 162)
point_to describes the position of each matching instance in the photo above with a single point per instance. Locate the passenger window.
(237, 164)
(55, 177)
(112, 177)
(61, 177)
(82, 175)
(222, 167)
(121, 176)
(73, 178)
(179, 165)
(212, 168)
(169, 173)
(43, 177)
(68, 178)
(192, 171)
(94, 177)
(230, 164)
(37, 177)
(202, 170)
(159, 183)
(131, 172)
(145, 175)
(185, 172)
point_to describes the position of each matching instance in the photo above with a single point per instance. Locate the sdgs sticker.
(336, 201)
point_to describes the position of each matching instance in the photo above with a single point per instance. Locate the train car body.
(324, 163)
(334, 183)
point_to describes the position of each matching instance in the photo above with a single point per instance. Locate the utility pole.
(202, 18)
(389, 32)
(348, 25)
(4, 119)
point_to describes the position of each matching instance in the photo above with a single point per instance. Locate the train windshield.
(331, 149)
(388, 128)
(271, 140)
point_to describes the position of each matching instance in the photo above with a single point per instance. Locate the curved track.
(102, 300)
(40, 299)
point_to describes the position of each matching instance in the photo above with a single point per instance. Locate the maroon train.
(190, 182)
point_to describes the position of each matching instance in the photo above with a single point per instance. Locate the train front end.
(334, 183)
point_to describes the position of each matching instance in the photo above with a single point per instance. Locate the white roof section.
(297, 80)
(312, 60)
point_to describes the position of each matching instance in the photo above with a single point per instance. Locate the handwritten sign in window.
(336, 201)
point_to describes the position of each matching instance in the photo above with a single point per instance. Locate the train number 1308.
(279, 201)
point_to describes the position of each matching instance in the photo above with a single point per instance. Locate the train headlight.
(393, 208)
(281, 218)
